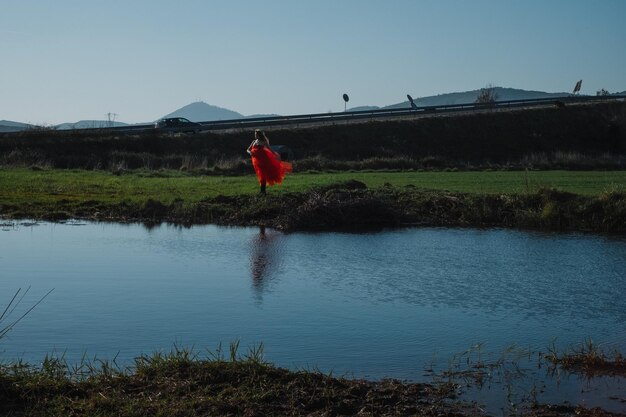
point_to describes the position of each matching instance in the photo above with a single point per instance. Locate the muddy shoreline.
(352, 206)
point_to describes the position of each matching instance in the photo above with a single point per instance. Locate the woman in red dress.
(269, 168)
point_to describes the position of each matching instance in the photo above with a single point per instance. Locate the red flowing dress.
(268, 166)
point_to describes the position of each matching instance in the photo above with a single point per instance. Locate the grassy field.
(18, 186)
(554, 200)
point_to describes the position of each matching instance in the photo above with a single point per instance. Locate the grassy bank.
(558, 200)
(178, 384)
(182, 384)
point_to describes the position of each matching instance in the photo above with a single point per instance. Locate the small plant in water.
(589, 359)
(10, 308)
(506, 376)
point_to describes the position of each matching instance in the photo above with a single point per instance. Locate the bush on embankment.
(352, 206)
(574, 137)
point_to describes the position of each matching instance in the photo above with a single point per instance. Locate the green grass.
(555, 200)
(182, 383)
(18, 186)
(485, 182)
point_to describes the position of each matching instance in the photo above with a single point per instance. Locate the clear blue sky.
(66, 60)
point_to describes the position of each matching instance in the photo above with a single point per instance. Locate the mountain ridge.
(10, 126)
(199, 111)
(89, 124)
(465, 97)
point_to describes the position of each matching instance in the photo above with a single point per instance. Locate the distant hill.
(504, 94)
(89, 124)
(203, 112)
(9, 126)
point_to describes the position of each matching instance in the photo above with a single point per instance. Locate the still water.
(386, 304)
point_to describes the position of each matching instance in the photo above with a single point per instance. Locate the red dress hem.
(268, 166)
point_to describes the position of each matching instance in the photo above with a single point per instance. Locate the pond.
(395, 303)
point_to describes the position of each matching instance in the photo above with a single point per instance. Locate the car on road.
(177, 124)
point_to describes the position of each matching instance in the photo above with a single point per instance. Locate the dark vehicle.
(178, 124)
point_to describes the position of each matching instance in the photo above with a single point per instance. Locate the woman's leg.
(263, 183)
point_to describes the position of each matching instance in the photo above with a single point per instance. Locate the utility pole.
(111, 118)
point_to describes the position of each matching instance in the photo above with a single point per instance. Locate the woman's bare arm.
(250, 147)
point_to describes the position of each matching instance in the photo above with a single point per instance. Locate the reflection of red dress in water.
(268, 166)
